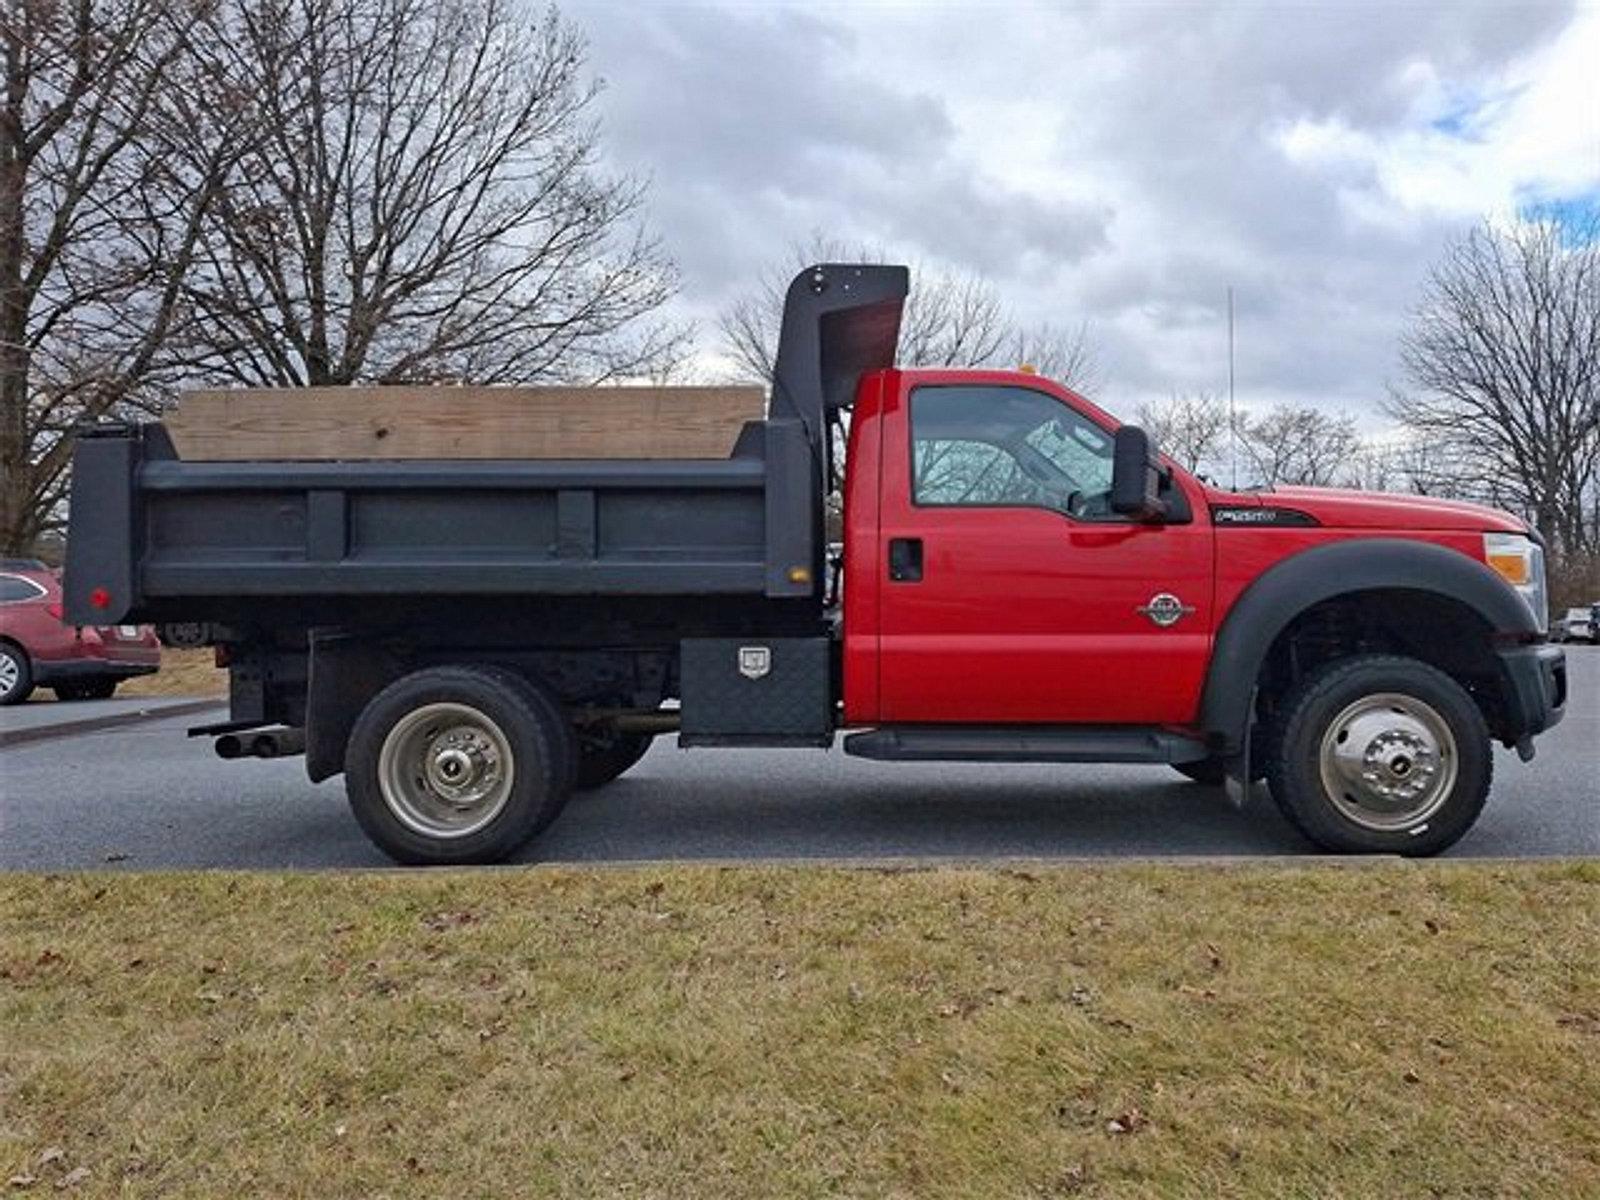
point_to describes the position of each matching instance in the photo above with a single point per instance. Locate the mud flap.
(345, 673)
(1236, 781)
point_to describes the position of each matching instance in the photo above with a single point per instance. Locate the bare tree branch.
(1190, 426)
(419, 199)
(94, 229)
(1502, 360)
(951, 320)
(1297, 445)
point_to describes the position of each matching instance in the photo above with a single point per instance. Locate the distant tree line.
(294, 192)
(1499, 400)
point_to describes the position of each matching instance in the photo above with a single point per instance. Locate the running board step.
(1049, 743)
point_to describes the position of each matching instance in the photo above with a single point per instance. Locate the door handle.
(905, 560)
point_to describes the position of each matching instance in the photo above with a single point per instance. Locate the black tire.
(602, 759)
(86, 689)
(16, 674)
(1341, 813)
(523, 724)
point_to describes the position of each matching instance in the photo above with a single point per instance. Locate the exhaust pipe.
(273, 743)
(278, 743)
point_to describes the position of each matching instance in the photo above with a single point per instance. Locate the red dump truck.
(1025, 579)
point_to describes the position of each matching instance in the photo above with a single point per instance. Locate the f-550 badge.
(1165, 609)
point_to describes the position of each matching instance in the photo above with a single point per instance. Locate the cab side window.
(1007, 447)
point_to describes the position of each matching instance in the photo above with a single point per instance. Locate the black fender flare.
(1290, 587)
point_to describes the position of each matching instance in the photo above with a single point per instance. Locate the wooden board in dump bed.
(444, 422)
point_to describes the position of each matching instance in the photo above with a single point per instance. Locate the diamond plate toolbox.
(756, 692)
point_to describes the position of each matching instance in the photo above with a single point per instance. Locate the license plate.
(128, 631)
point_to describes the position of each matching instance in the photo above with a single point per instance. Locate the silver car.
(1575, 625)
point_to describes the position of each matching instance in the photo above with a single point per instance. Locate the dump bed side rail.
(146, 526)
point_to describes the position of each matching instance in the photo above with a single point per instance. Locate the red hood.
(1340, 508)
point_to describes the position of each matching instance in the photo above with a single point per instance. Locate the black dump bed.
(153, 537)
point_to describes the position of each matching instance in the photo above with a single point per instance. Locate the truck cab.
(1020, 601)
(1009, 590)
(1025, 579)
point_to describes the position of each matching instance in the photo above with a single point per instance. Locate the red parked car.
(38, 648)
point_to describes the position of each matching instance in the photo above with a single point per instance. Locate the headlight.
(1519, 560)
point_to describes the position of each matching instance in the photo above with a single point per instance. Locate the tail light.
(222, 655)
(55, 610)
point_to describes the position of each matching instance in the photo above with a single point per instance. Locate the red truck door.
(1008, 592)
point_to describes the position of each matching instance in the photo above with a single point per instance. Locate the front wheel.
(458, 765)
(1380, 755)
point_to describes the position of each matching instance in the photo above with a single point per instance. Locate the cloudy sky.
(1120, 163)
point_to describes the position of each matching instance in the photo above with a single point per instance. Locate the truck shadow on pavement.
(980, 813)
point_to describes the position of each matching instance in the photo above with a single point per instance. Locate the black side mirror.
(1135, 476)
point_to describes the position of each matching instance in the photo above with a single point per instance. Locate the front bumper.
(1533, 685)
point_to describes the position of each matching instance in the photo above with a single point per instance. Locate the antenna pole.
(1233, 419)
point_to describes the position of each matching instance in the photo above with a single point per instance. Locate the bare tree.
(1410, 464)
(1293, 444)
(1502, 360)
(951, 320)
(95, 229)
(1190, 426)
(420, 199)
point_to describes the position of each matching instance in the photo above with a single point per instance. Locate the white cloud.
(1530, 130)
(1120, 163)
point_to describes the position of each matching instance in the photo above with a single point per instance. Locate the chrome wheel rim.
(1388, 761)
(10, 673)
(446, 770)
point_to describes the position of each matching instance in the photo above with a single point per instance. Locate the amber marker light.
(1519, 560)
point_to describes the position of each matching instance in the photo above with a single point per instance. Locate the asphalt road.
(142, 795)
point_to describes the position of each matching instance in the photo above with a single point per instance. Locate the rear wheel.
(16, 674)
(457, 765)
(86, 689)
(1380, 755)
(602, 758)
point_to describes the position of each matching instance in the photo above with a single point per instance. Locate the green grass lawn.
(1378, 1031)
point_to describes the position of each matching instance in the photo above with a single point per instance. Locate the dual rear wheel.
(456, 765)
